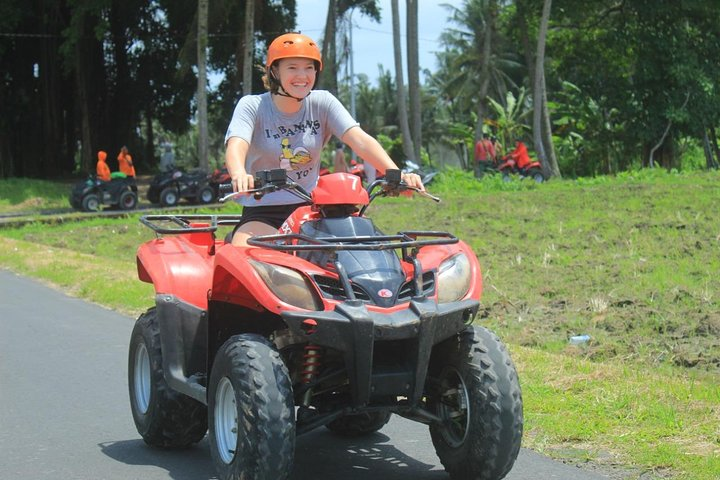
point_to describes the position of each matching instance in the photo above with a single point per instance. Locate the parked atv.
(168, 188)
(509, 167)
(329, 323)
(92, 193)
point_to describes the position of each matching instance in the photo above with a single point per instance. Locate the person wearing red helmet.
(287, 127)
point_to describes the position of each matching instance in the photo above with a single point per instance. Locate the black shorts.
(274, 215)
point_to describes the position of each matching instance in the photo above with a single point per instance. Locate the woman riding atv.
(287, 127)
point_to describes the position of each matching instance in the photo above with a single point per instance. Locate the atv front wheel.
(163, 417)
(91, 203)
(252, 416)
(477, 396)
(169, 197)
(359, 424)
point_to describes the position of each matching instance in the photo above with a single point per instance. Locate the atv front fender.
(179, 265)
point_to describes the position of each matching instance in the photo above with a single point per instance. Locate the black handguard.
(393, 178)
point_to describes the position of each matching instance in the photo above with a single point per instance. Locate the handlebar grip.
(224, 189)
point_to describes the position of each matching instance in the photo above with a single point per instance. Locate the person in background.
(125, 163)
(339, 163)
(167, 159)
(287, 127)
(520, 155)
(485, 155)
(101, 168)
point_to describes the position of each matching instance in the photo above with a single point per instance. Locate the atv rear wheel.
(169, 197)
(205, 195)
(91, 203)
(252, 416)
(478, 398)
(163, 417)
(360, 424)
(128, 200)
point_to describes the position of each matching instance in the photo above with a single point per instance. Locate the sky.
(372, 41)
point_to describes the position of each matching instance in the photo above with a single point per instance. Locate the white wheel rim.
(207, 196)
(454, 408)
(226, 424)
(141, 379)
(170, 199)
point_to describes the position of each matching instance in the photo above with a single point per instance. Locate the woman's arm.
(235, 154)
(367, 148)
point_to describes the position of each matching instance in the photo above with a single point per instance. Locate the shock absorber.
(311, 361)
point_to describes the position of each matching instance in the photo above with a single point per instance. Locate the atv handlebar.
(268, 181)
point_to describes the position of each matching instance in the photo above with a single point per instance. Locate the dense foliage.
(629, 83)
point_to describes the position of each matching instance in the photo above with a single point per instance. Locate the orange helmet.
(293, 45)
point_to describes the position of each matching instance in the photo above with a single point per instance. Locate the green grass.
(632, 261)
(27, 195)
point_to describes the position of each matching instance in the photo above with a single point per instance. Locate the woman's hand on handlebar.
(413, 180)
(242, 182)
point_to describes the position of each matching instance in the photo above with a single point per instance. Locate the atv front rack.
(187, 223)
(295, 242)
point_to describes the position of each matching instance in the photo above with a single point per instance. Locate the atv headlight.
(453, 278)
(288, 285)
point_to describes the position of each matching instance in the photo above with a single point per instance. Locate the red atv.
(329, 323)
(519, 162)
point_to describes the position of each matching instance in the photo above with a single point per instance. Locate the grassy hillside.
(632, 262)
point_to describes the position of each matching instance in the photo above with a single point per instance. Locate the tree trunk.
(485, 68)
(122, 116)
(407, 143)
(248, 47)
(86, 151)
(328, 79)
(709, 160)
(414, 77)
(149, 161)
(202, 84)
(538, 90)
(547, 134)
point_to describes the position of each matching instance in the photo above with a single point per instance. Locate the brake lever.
(397, 190)
(425, 194)
(254, 191)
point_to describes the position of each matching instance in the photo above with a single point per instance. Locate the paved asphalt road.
(65, 415)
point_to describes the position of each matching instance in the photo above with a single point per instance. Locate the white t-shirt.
(293, 142)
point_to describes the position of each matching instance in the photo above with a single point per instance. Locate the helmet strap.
(281, 91)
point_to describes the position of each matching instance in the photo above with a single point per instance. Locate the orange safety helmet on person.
(293, 45)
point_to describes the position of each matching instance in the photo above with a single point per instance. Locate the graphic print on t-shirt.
(293, 159)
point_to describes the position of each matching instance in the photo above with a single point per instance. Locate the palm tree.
(202, 41)
(542, 134)
(479, 67)
(414, 77)
(407, 141)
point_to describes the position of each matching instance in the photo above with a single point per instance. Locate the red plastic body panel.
(297, 218)
(181, 265)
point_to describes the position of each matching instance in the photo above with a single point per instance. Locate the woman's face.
(297, 76)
